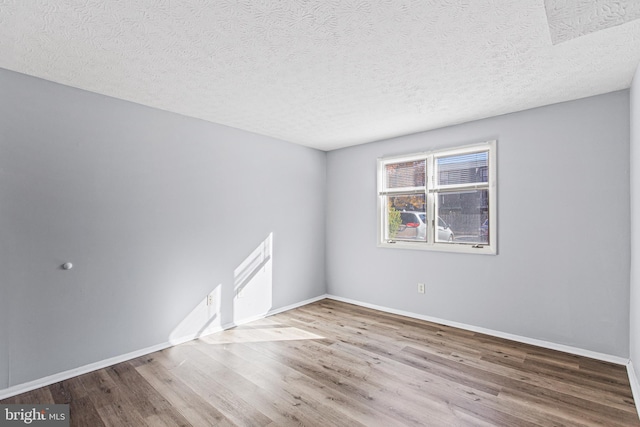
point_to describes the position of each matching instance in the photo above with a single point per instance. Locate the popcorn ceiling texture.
(325, 73)
(569, 19)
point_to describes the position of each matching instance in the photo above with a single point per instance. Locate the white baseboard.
(635, 386)
(61, 376)
(51, 379)
(296, 305)
(540, 343)
(276, 311)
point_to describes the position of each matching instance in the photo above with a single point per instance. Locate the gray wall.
(157, 210)
(562, 272)
(634, 336)
(154, 209)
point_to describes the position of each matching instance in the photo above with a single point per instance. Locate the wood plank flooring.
(336, 364)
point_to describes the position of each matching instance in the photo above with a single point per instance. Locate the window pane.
(405, 174)
(406, 218)
(463, 214)
(463, 169)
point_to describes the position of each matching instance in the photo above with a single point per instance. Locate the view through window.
(442, 200)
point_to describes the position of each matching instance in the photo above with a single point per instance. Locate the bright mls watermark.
(34, 415)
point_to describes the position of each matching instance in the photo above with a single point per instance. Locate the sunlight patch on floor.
(260, 334)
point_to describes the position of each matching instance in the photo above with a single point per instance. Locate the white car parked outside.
(414, 227)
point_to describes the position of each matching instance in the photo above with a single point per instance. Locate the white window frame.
(431, 190)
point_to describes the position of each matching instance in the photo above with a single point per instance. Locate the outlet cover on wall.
(421, 288)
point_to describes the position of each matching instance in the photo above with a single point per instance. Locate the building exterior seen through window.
(441, 200)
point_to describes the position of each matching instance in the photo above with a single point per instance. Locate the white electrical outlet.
(421, 288)
(210, 299)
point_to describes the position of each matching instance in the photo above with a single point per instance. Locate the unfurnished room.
(320, 213)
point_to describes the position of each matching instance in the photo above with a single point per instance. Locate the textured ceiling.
(328, 73)
(569, 19)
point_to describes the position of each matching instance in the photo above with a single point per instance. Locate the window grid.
(441, 200)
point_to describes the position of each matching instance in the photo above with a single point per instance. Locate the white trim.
(51, 379)
(431, 190)
(461, 248)
(271, 313)
(526, 340)
(635, 386)
(403, 157)
(61, 376)
(298, 304)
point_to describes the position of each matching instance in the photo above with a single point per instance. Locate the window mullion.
(391, 192)
(431, 200)
(460, 187)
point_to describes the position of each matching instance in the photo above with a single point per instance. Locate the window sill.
(441, 247)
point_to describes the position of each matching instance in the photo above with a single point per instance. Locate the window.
(441, 200)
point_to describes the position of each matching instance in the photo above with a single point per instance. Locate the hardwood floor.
(335, 364)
